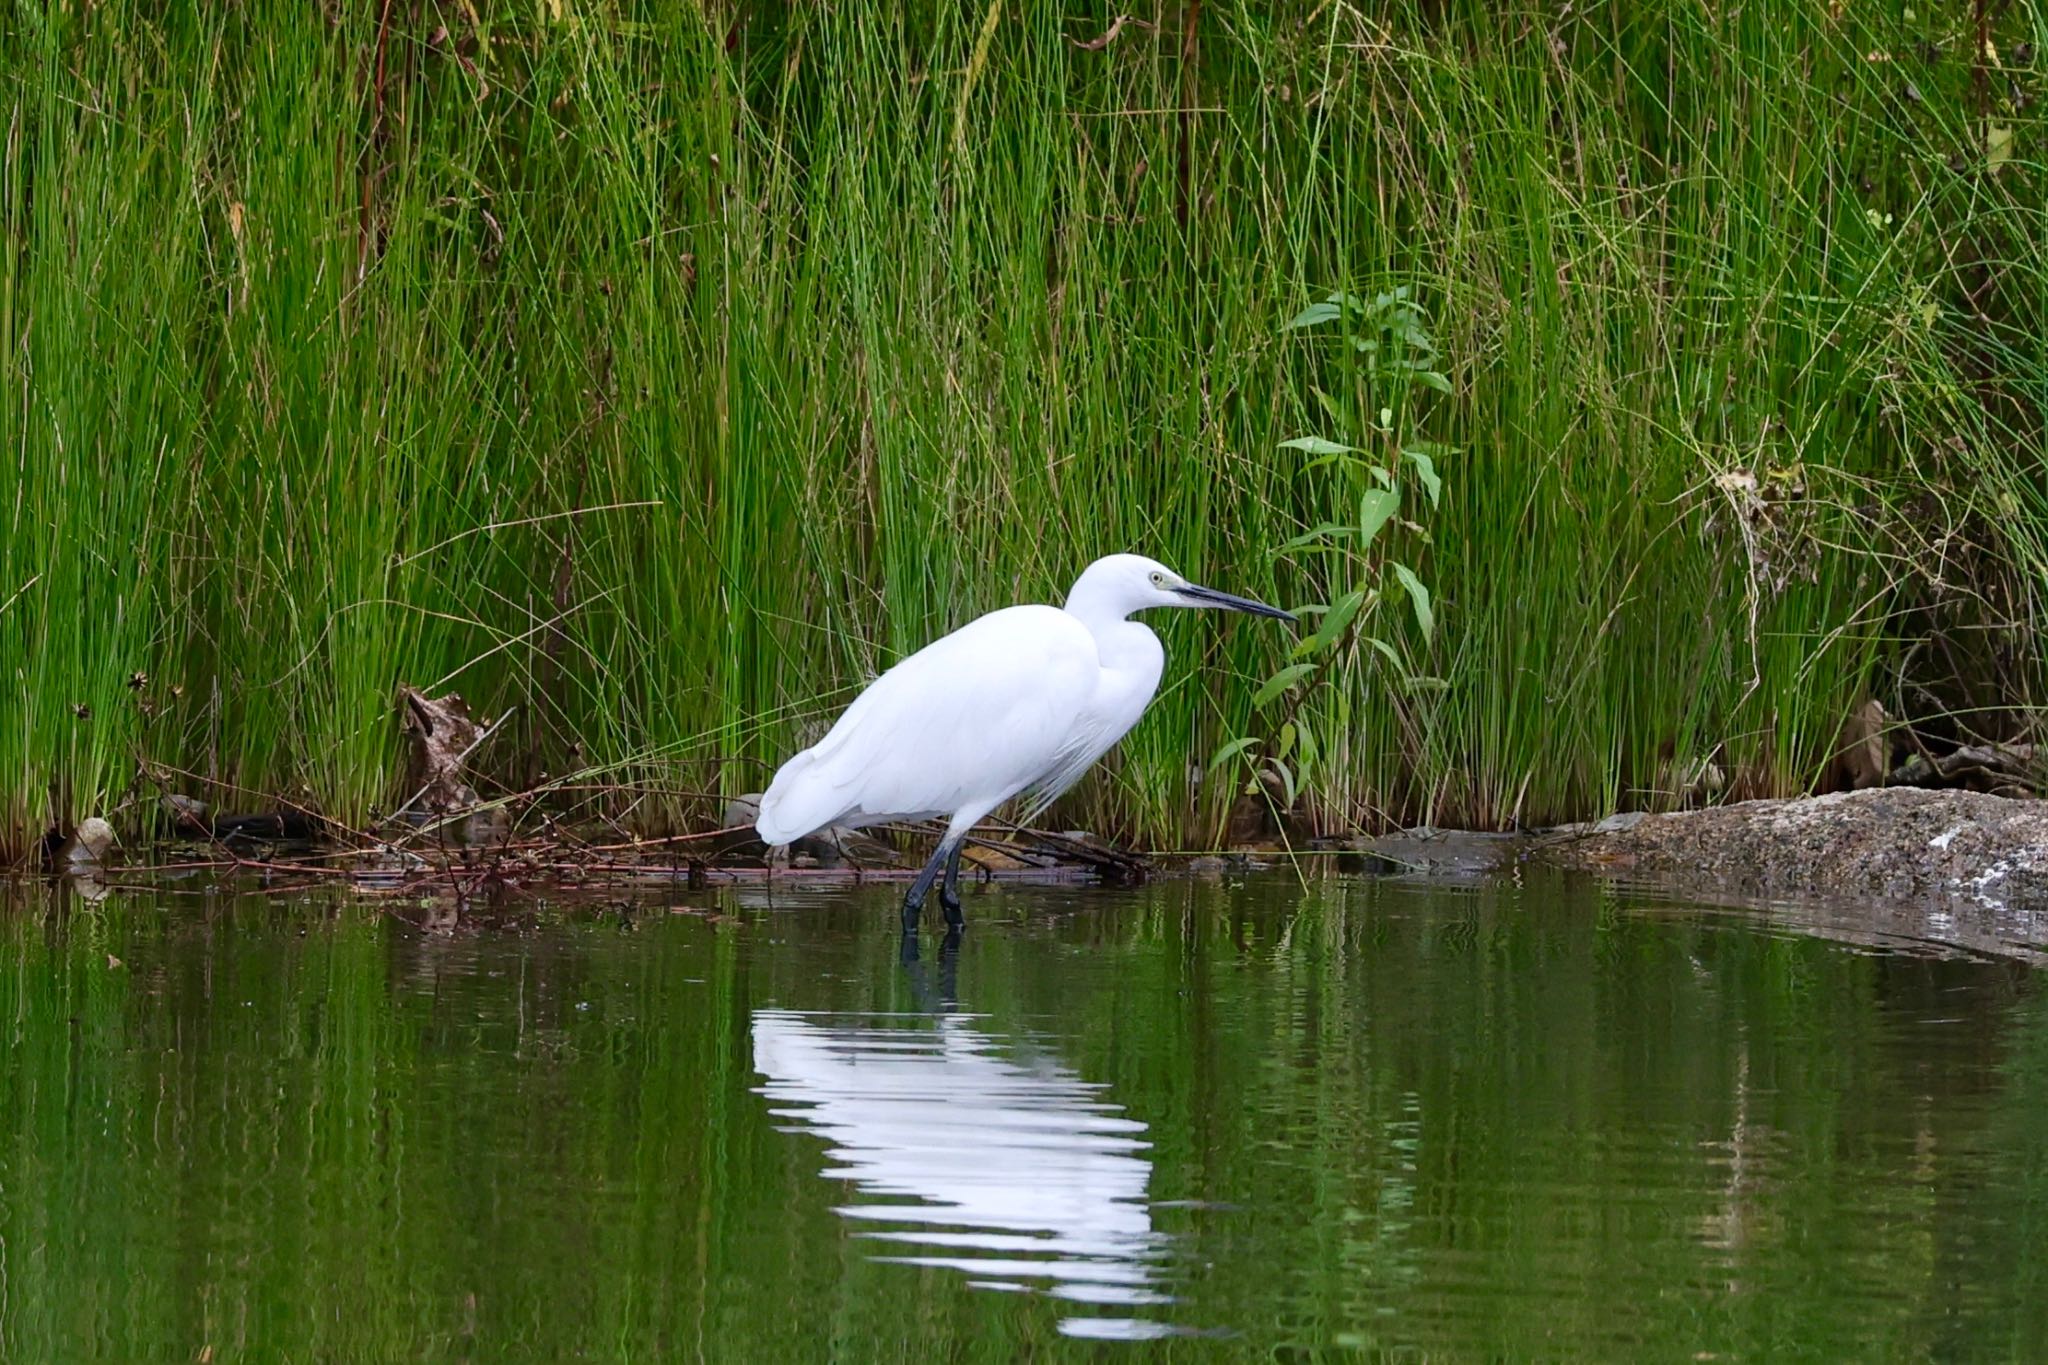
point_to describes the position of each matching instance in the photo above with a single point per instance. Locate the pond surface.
(1543, 1120)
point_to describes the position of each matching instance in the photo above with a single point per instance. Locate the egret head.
(1118, 585)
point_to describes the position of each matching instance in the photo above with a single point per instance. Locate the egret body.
(1020, 702)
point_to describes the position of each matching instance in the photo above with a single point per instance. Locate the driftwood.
(1993, 767)
(185, 815)
(1080, 850)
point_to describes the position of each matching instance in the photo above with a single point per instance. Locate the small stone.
(89, 842)
(186, 814)
(994, 860)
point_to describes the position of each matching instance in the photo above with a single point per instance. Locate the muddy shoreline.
(1882, 858)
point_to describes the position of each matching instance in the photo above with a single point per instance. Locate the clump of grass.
(665, 375)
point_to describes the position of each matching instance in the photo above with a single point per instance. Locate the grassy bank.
(663, 376)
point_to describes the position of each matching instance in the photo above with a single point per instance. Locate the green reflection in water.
(1546, 1120)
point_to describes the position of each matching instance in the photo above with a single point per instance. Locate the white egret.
(1020, 702)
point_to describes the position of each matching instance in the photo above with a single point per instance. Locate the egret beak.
(1198, 596)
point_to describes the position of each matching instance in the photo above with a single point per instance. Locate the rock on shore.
(1895, 843)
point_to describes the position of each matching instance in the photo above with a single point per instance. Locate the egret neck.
(1132, 657)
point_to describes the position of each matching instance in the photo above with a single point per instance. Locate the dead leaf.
(442, 733)
(1116, 27)
(1997, 146)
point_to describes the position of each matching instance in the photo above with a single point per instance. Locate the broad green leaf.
(1316, 445)
(1287, 777)
(1313, 315)
(1329, 530)
(1425, 469)
(1280, 682)
(1342, 613)
(1308, 646)
(1286, 744)
(1329, 407)
(1425, 617)
(1228, 752)
(1421, 684)
(1375, 509)
(1433, 379)
(1355, 467)
(1305, 745)
(1414, 337)
(1347, 460)
(1383, 647)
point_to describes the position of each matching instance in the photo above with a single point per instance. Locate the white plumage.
(1021, 701)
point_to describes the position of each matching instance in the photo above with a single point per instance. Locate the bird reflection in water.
(960, 1155)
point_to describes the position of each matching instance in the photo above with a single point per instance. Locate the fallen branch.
(2009, 763)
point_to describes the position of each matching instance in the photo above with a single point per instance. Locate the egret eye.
(1158, 579)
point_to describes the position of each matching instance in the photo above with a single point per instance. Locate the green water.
(1437, 1123)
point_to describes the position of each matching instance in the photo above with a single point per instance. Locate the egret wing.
(962, 725)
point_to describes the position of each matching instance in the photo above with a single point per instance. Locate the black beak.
(1208, 597)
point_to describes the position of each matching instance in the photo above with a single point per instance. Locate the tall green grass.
(664, 375)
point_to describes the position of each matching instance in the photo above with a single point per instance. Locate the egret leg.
(949, 897)
(913, 899)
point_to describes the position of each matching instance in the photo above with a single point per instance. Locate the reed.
(664, 375)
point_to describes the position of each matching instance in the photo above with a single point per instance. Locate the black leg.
(913, 899)
(949, 896)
